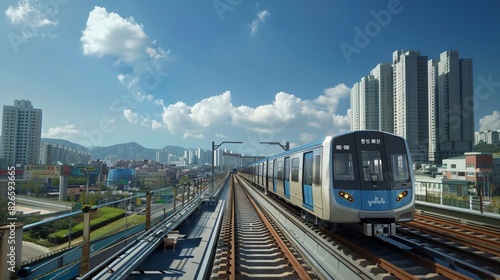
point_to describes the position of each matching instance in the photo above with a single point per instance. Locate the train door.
(270, 175)
(307, 173)
(275, 175)
(286, 178)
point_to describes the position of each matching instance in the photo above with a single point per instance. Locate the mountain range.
(125, 151)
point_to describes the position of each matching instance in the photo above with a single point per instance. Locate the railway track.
(471, 249)
(474, 236)
(402, 257)
(251, 247)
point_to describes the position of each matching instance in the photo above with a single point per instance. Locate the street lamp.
(214, 147)
(286, 147)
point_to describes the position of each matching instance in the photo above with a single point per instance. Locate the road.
(32, 250)
(43, 205)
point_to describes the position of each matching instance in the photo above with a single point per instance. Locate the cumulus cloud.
(258, 22)
(307, 137)
(287, 112)
(32, 13)
(491, 122)
(125, 41)
(67, 131)
(204, 115)
(110, 34)
(332, 95)
(130, 116)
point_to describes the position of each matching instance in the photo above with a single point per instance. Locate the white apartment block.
(56, 154)
(162, 156)
(354, 95)
(487, 136)
(451, 122)
(368, 103)
(383, 74)
(21, 133)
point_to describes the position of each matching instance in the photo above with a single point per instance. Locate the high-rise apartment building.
(21, 133)
(451, 122)
(354, 95)
(162, 156)
(383, 74)
(432, 73)
(60, 154)
(368, 103)
(411, 102)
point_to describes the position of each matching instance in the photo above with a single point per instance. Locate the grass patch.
(100, 218)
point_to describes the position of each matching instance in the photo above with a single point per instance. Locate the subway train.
(360, 177)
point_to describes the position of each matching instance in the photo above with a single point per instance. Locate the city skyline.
(187, 74)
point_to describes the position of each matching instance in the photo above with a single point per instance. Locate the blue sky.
(191, 72)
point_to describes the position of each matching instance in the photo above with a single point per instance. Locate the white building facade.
(382, 73)
(21, 133)
(354, 95)
(368, 103)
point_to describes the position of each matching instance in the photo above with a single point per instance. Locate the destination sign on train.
(370, 141)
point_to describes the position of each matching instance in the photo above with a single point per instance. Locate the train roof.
(319, 142)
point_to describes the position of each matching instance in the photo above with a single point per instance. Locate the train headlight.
(401, 195)
(346, 196)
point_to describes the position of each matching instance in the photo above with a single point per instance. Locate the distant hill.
(127, 151)
(65, 143)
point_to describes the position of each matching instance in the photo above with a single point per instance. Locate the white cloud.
(307, 137)
(130, 116)
(33, 13)
(287, 112)
(259, 21)
(332, 96)
(125, 41)
(110, 34)
(204, 115)
(193, 135)
(67, 132)
(491, 122)
(156, 54)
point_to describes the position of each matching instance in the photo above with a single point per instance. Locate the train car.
(360, 177)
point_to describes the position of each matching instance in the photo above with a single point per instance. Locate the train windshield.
(370, 160)
(372, 165)
(343, 166)
(399, 164)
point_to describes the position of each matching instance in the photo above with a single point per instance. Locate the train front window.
(343, 167)
(372, 165)
(399, 167)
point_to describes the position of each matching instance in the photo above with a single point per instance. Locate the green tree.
(184, 179)
(83, 198)
(77, 181)
(72, 197)
(92, 198)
